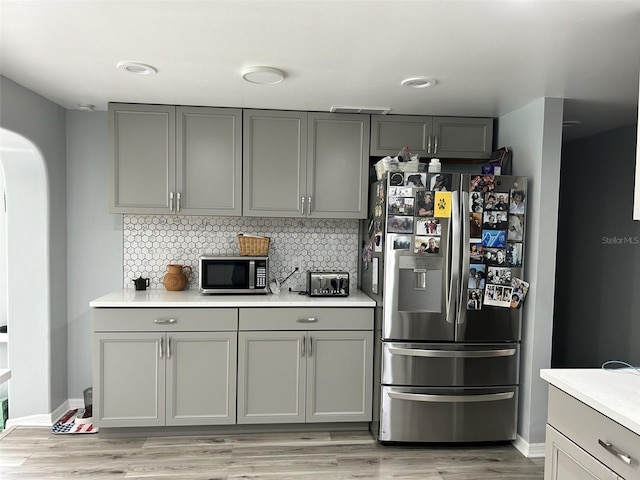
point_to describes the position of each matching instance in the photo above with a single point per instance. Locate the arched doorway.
(27, 277)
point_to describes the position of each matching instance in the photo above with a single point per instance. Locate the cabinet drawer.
(586, 427)
(164, 319)
(306, 319)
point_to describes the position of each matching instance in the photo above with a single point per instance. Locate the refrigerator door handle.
(463, 263)
(414, 352)
(421, 397)
(454, 280)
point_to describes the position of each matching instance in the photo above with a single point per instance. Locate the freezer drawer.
(448, 414)
(444, 365)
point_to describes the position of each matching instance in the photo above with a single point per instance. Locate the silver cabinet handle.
(161, 347)
(171, 201)
(169, 347)
(429, 144)
(310, 345)
(309, 205)
(302, 203)
(165, 320)
(304, 342)
(419, 397)
(611, 449)
(435, 145)
(307, 320)
(411, 352)
(179, 198)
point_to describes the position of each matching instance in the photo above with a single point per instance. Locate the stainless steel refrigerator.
(442, 256)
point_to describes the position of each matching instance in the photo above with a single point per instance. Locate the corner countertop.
(612, 392)
(192, 298)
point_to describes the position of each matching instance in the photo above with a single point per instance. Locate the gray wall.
(43, 123)
(597, 313)
(94, 236)
(534, 132)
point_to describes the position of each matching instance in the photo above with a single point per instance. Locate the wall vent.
(369, 110)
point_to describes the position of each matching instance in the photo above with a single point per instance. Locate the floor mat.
(67, 424)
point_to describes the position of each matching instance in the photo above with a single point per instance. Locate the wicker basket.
(254, 246)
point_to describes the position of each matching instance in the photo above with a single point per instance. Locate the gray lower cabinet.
(182, 160)
(567, 461)
(305, 365)
(304, 376)
(582, 443)
(443, 137)
(147, 372)
(299, 164)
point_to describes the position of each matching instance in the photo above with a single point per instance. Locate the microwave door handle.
(252, 274)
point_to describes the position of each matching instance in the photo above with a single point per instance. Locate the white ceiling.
(489, 57)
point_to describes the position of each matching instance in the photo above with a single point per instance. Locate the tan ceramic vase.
(175, 279)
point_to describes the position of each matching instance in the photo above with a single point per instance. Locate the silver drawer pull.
(419, 397)
(165, 320)
(414, 352)
(308, 320)
(610, 448)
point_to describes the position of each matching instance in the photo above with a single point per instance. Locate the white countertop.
(612, 392)
(192, 298)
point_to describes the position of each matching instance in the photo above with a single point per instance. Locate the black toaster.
(328, 284)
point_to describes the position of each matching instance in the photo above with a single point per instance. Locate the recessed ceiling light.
(570, 123)
(262, 75)
(419, 82)
(137, 68)
(86, 107)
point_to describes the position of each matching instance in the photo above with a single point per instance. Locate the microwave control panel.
(261, 274)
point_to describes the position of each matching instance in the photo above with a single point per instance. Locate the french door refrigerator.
(442, 256)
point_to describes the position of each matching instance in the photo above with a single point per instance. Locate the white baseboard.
(529, 450)
(45, 419)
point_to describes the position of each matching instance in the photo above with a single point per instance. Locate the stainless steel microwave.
(221, 275)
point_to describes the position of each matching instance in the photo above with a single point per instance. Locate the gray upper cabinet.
(274, 162)
(143, 150)
(299, 164)
(208, 161)
(168, 159)
(443, 137)
(338, 163)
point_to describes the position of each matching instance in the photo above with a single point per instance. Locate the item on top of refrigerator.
(434, 165)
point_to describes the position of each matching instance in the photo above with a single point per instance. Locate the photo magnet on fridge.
(494, 238)
(442, 205)
(424, 203)
(402, 242)
(428, 226)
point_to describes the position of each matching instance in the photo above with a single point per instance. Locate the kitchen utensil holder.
(253, 246)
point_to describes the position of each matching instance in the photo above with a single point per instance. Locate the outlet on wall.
(297, 263)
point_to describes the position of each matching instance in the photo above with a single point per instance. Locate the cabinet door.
(129, 379)
(142, 140)
(391, 133)
(337, 165)
(339, 376)
(567, 461)
(201, 378)
(208, 161)
(274, 163)
(271, 377)
(462, 137)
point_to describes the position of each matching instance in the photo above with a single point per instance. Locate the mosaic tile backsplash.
(151, 242)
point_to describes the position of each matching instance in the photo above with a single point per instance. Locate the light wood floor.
(36, 453)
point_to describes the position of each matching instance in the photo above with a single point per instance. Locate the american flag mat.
(67, 424)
